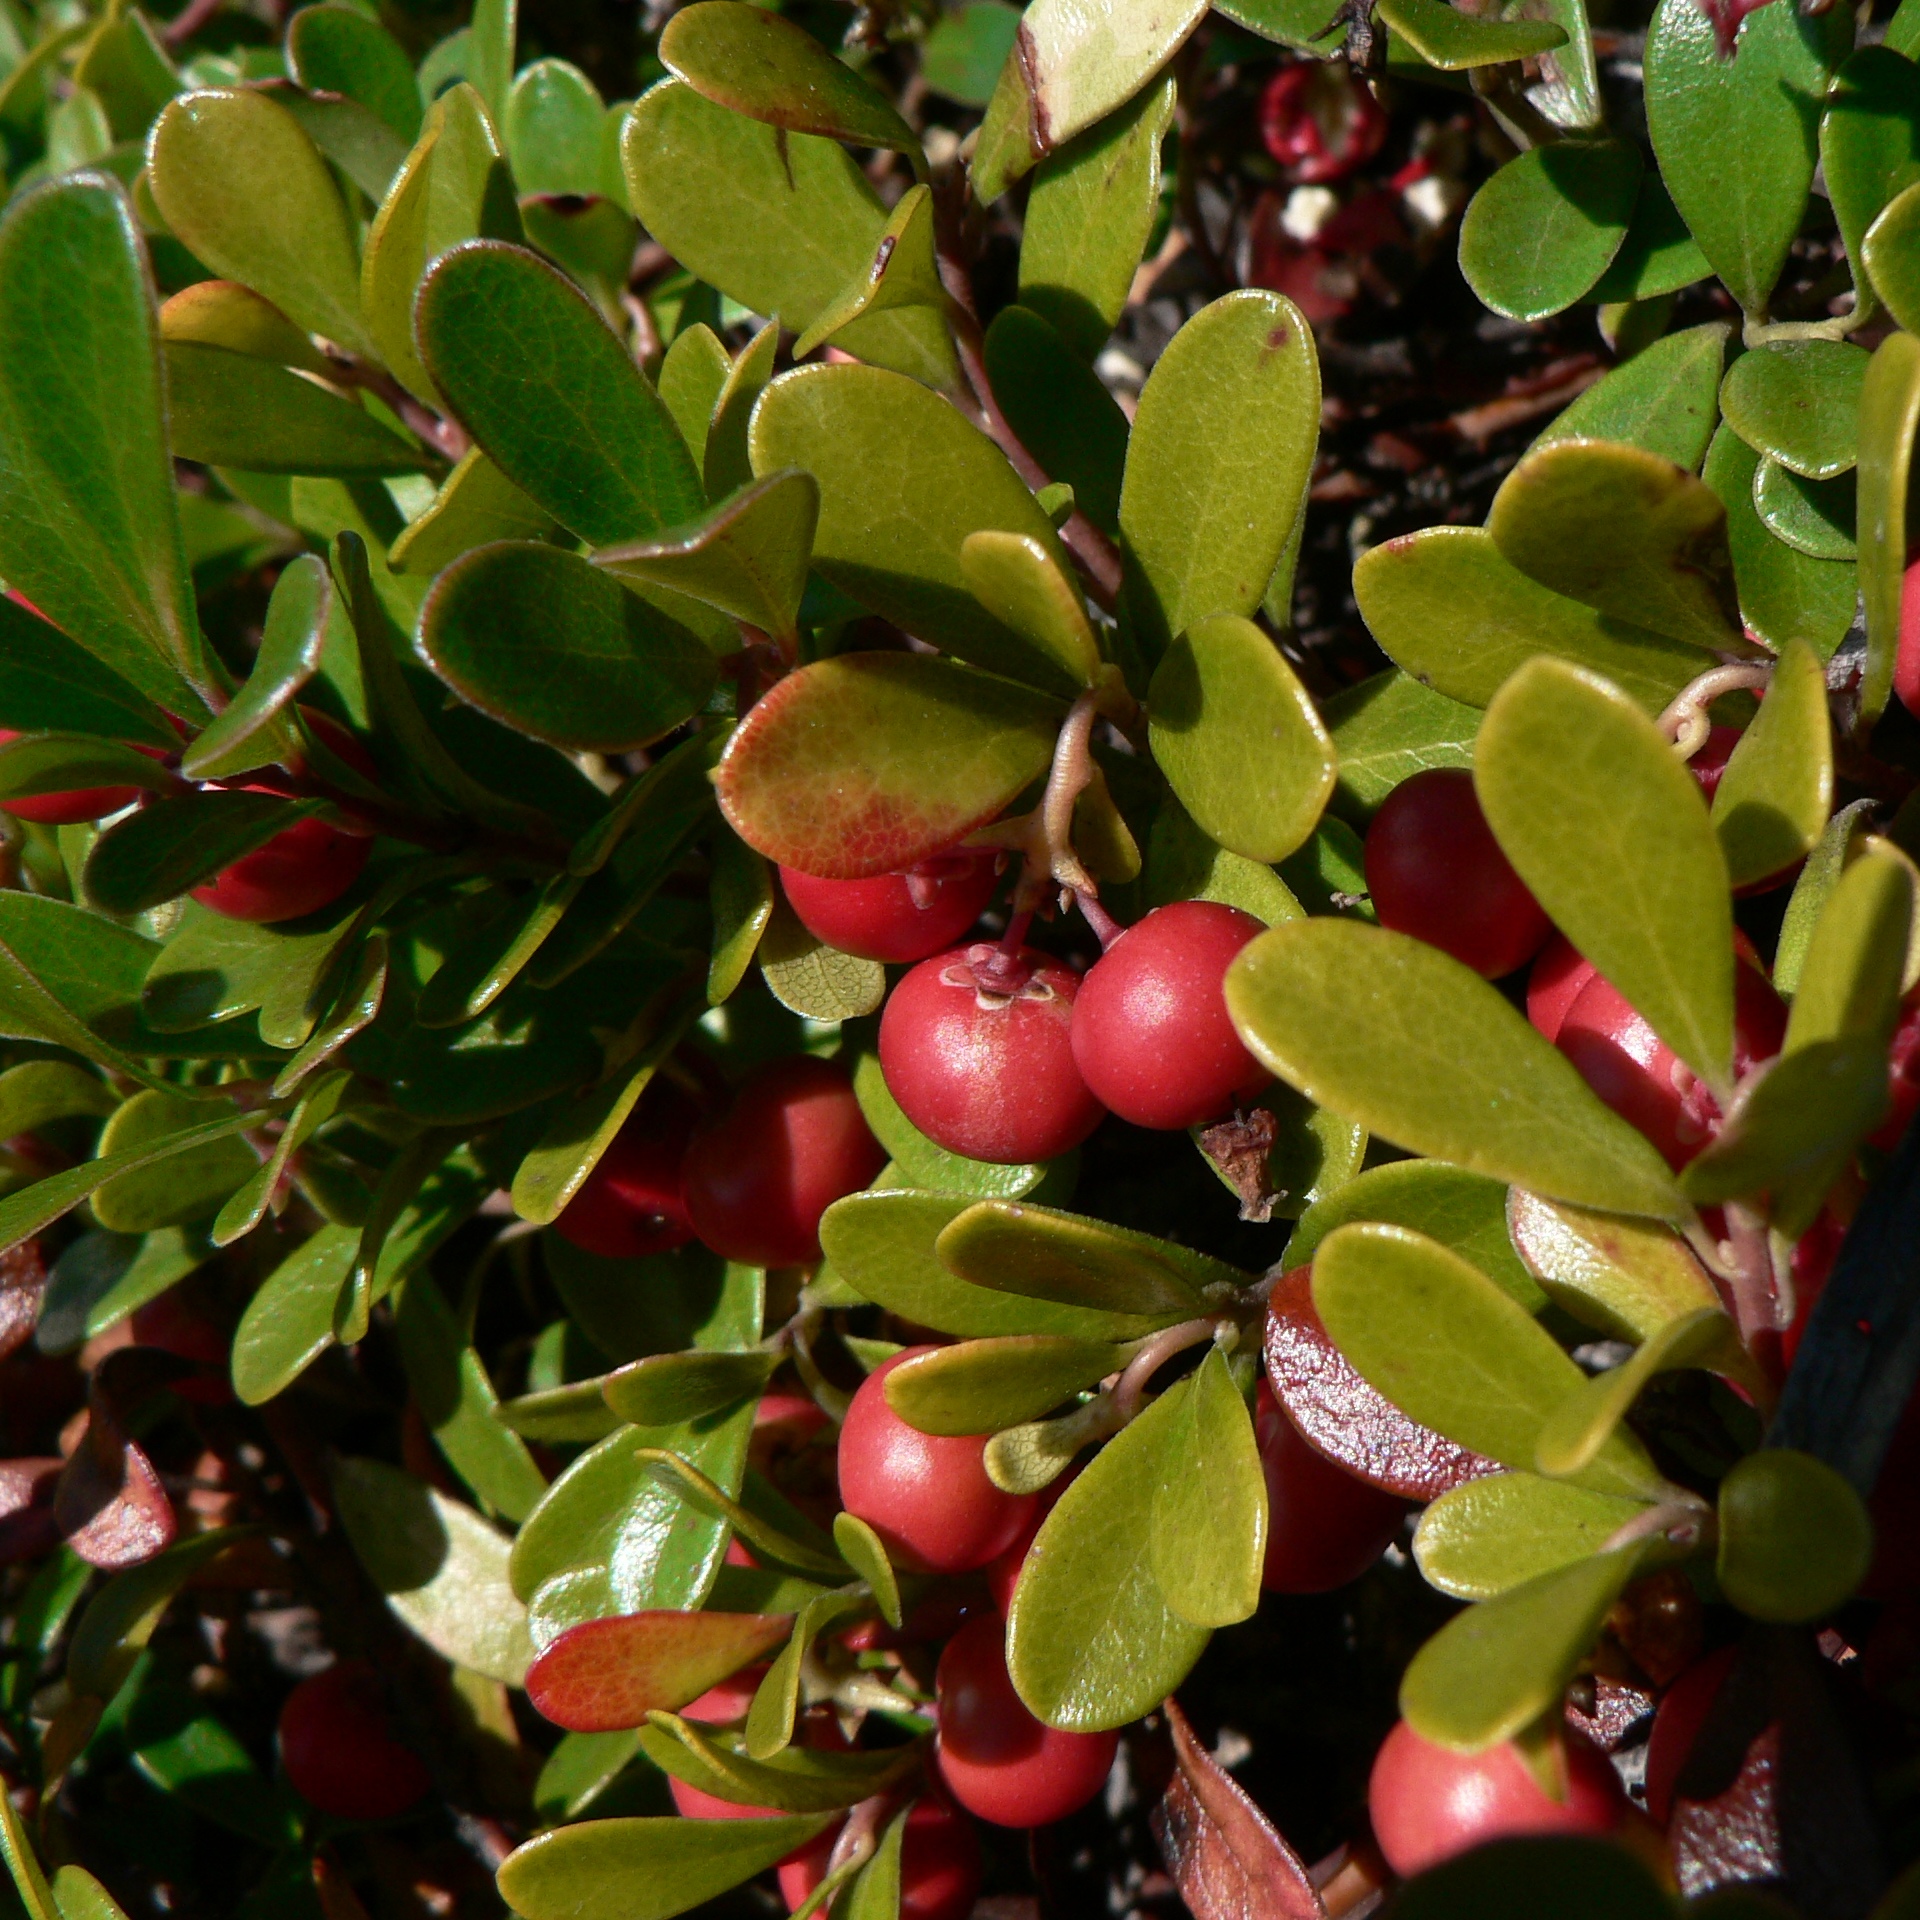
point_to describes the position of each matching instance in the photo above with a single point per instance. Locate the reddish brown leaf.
(109, 1505)
(26, 1508)
(1222, 1851)
(605, 1675)
(1344, 1418)
(23, 1281)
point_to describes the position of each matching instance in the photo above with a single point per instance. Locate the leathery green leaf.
(1625, 532)
(1869, 144)
(725, 464)
(1784, 594)
(158, 853)
(555, 130)
(1089, 215)
(742, 904)
(882, 1243)
(1388, 728)
(981, 1386)
(1240, 739)
(1889, 419)
(904, 479)
(1795, 1539)
(240, 182)
(1813, 517)
(1492, 1671)
(1625, 1278)
(1763, 105)
(34, 763)
(1091, 1641)
(1856, 958)
(916, 752)
(1207, 1531)
(1664, 400)
(1610, 832)
(691, 377)
(88, 526)
(812, 979)
(1453, 41)
(1452, 612)
(1545, 227)
(223, 313)
(1825, 864)
(476, 505)
(748, 557)
(774, 70)
(1023, 586)
(454, 186)
(1017, 1247)
(181, 1187)
(250, 731)
(1658, 256)
(904, 271)
(539, 380)
(546, 643)
(648, 1869)
(1456, 1352)
(1481, 1539)
(666, 1387)
(1888, 253)
(1443, 1065)
(779, 221)
(1065, 418)
(1222, 445)
(47, 683)
(1069, 68)
(337, 49)
(1799, 402)
(1774, 797)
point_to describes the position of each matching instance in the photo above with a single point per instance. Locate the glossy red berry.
(997, 1760)
(984, 1066)
(1683, 1712)
(1434, 870)
(926, 1495)
(1554, 981)
(1428, 1804)
(895, 916)
(1324, 1527)
(1906, 659)
(339, 1748)
(939, 1864)
(792, 1143)
(1320, 123)
(634, 1201)
(1151, 1033)
(1641, 1078)
(300, 870)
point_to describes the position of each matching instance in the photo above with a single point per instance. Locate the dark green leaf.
(250, 731)
(1663, 400)
(555, 129)
(1869, 144)
(35, 763)
(1795, 1540)
(46, 682)
(1451, 40)
(1813, 517)
(1889, 420)
(173, 1186)
(338, 49)
(1065, 418)
(161, 851)
(1544, 228)
(1658, 255)
(1799, 401)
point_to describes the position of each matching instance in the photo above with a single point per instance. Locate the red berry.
(1003, 1573)
(299, 871)
(939, 1864)
(634, 1201)
(793, 1142)
(1434, 870)
(1906, 660)
(1903, 1078)
(727, 1702)
(1428, 1804)
(339, 1751)
(926, 1495)
(1642, 1079)
(1151, 1033)
(896, 916)
(1683, 1712)
(1324, 1527)
(79, 803)
(1319, 123)
(984, 1072)
(1554, 982)
(997, 1760)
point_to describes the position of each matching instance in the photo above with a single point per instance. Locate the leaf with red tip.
(606, 1675)
(23, 1282)
(110, 1506)
(1222, 1851)
(26, 1508)
(866, 763)
(1344, 1418)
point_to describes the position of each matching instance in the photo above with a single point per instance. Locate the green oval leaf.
(1492, 1671)
(781, 222)
(904, 479)
(1664, 400)
(1869, 144)
(181, 1186)
(49, 684)
(1222, 445)
(1457, 1353)
(1624, 1278)
(867, 762)
(1481, 1539)
(242, 184)
(1609, 830)
(1763, 105)
(981, 1386)
(1795, 1540)
(1025, 588)
(1772, 803)
(1799, 401)
(1449, 609)
(1623, 531)
(1207, 1531)
(1889, 420)
(1658, 256)
(1888, 253)
(1091, 1641)
(544, 642)
(1544, 228)
(1445, 37)
(555, 127)
(337, 49)
(250, 731)
(1856, 956)
(1813, 517)
(1390, 727)
(812, 979)
(158, 853)
(669, 1387)
(1444, 1066)
(1224, 700)
(1065, 418)
(539, 380)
